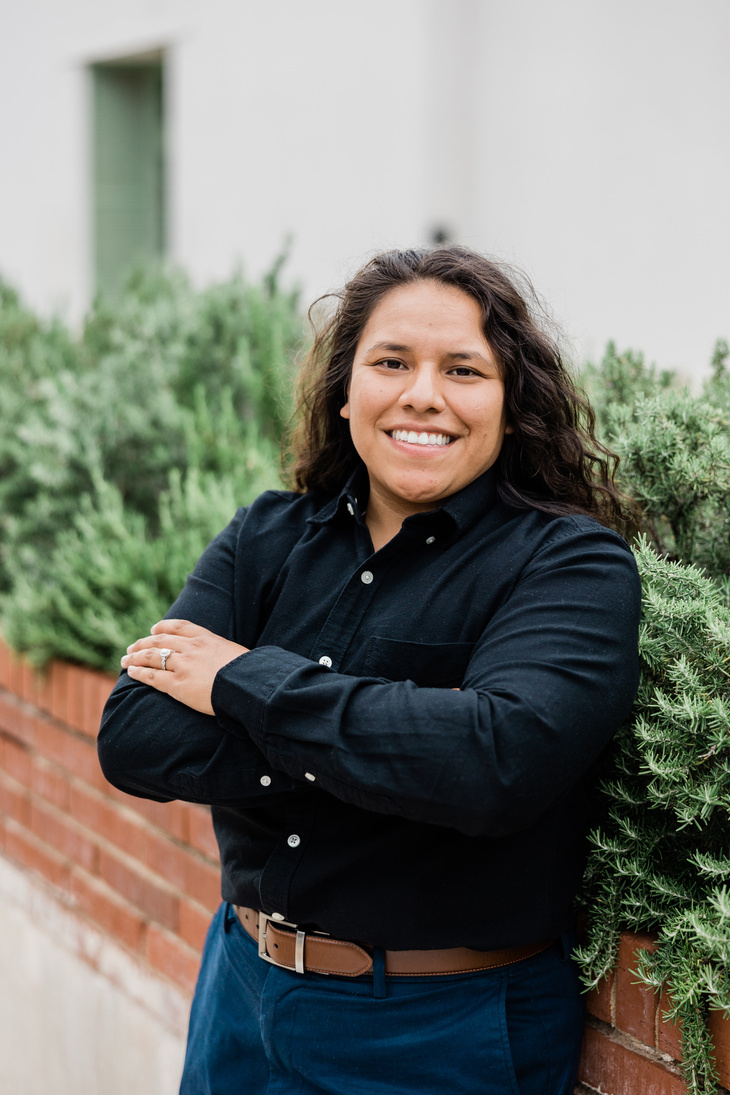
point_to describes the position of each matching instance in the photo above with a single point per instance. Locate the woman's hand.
(195, 657)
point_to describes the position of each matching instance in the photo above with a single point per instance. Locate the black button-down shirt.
(400, 758)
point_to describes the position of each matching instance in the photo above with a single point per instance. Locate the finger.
(149, 656)
(155, 678)
(156, 642)
(178, 627)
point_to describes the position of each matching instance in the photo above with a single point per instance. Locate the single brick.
(194, 924)
(108, 820)
(203, 883)
(99, 903)
(75, 754)
(75, 677)
(25, 849)
(4, 665)
(719, 1027)
(636, 1003)
(610, 1067)
(96, 689)
(29, 682)
(53, 829)
(15, 682)
(14, 800)
(50, 783)
(600, 1001)
(58, 685)
(16, 760)
(16, 721)
(154, 900)
(669, 1035)
(172, 957)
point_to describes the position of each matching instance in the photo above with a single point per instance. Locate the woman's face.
(426, 398)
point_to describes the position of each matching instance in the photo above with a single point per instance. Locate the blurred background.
(587, 142)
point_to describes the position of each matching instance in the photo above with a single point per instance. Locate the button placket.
(346, 615)
(276, 878)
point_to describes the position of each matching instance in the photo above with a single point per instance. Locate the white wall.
(604, 165)
(77, 1015)
(589, 142)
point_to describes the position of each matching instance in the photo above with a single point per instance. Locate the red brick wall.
(629, 1048)
(146, 873)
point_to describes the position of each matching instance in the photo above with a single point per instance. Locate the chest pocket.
(435, 665)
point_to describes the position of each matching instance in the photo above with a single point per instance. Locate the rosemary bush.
(123, 452)
(659, 859)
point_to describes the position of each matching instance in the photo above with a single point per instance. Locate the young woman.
(390, 685)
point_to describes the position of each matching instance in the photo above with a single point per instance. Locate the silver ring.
(164, 655)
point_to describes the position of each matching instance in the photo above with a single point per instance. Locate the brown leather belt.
(286, 945)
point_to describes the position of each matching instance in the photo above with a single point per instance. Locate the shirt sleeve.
(152, 746)
(550, 680)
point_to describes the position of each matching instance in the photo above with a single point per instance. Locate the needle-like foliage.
(659, 860)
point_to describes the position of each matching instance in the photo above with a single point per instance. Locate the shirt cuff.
(243, 687)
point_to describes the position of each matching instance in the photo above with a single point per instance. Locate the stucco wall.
(588, 142)
(77, 1015)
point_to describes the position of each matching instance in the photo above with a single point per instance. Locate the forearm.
(152, 746)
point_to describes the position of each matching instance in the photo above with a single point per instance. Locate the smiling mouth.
(413, 438)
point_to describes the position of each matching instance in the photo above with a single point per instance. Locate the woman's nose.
(423, 392)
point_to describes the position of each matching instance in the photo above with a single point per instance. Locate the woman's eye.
(391, 363)
(464, 370)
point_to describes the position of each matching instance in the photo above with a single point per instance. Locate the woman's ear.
(345, 411)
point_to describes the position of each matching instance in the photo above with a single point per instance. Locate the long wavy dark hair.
(550, 462)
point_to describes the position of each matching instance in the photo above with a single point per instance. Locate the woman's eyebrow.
(391, 347)
(452, 355)
(467, 355)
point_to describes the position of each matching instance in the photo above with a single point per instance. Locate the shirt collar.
(457, 513)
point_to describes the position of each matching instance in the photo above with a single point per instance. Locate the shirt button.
(277, 916)
(431, 540)
(294, 841)
(366, 577)
(324, 660)
(350, 510)
(308, 775)
(265, 781)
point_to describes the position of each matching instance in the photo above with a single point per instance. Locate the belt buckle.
(264, 920)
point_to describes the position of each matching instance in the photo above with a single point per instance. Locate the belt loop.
(380, 985)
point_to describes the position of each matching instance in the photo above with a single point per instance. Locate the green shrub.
(659, 858)
(168, 390)
(619, 381)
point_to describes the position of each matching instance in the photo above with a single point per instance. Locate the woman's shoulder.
(579, 539)
(275, 513)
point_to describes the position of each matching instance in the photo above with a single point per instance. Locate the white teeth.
(414, 438)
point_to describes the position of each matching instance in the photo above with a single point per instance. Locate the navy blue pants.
(259, 1030)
